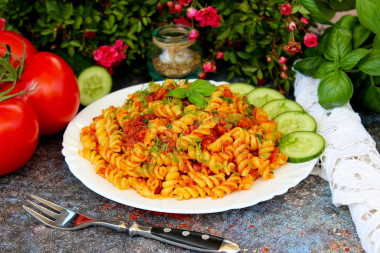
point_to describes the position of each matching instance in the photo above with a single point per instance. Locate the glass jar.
(173, 54)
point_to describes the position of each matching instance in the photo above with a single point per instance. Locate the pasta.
(166, 147)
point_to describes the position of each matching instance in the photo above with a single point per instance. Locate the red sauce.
(190, 129)
(165, 138)
(208, 139)
(228, 93)
(158, 95)
(244, 122)
(135, 129)
(274, 154)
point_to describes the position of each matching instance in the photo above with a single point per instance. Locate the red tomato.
(19, 132)
(56, 98)
(15, 41)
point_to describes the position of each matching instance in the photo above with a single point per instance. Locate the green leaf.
(204, 87)
(371, 63)
(197, 99)
(370, 97)
(177, 93)
(376, 42)
(325, 69)
(315, 11)
(348, 21)
(338, 44)
(344, 5)
(309, 65)
(335, 90)
(244, 55)
(350, 60)
(360, 35)
(369, 14)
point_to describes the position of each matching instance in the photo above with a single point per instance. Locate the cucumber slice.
(94, 82)
(278, 106)
(241, 88)
(302, 146)
(258, 97)
(289, 122)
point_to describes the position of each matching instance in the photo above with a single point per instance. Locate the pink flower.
(170, 4)
(184, 2)
(286, 9)
(160, 7)
(291, 26)
(269, 59)
(208, 17)
(310, 40)
(284, 75)
(219, 55)
(89, 34)
(106, 56)
(209, 67)
(304, 20)
(202, 75)
(177, 7)
(2, 24)
(193, 35)
(191, 13)
(182, 20)
(282, 60)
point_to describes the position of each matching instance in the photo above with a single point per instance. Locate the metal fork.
(65, 219)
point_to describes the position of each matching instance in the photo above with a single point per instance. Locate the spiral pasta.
(165, 147)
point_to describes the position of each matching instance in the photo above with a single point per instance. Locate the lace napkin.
(350, 162)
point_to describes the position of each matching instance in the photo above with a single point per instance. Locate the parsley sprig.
(196, 94)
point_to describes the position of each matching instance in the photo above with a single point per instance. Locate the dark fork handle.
(187, 239)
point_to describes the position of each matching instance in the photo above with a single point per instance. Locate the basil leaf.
(344, 5)
(370, 64)
(197, 99)
(348, 22)
(309, 65)
(335, 90)
(338, 44)
(368, 13)
(370, 97)
(360, 35)
(203, 87)
(376, 42)
(350, 60)
(177, 93)
(325, 69)
(319, 13)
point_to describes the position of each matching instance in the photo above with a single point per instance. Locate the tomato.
(15, 41)
(56, 98)
(19, 133)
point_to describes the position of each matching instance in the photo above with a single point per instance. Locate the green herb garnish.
(196, 93)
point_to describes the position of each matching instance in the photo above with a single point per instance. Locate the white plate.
(286, 176)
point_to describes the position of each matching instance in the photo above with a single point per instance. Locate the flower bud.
(304, 20)
(193, 35)
(282, 60)
(177, 8)
(219, 55)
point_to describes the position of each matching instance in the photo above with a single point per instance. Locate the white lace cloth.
(350, 162)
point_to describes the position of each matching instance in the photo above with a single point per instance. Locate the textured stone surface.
(301, 220)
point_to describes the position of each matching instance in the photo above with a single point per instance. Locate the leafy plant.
(252, 34)
(347, 58)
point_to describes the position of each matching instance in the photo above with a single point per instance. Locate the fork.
(65, 219)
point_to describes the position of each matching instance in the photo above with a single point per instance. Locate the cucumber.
(241, 88)
(302, 146)
(293, 121)
(278, 106)
(94, 82)
(258, 97)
